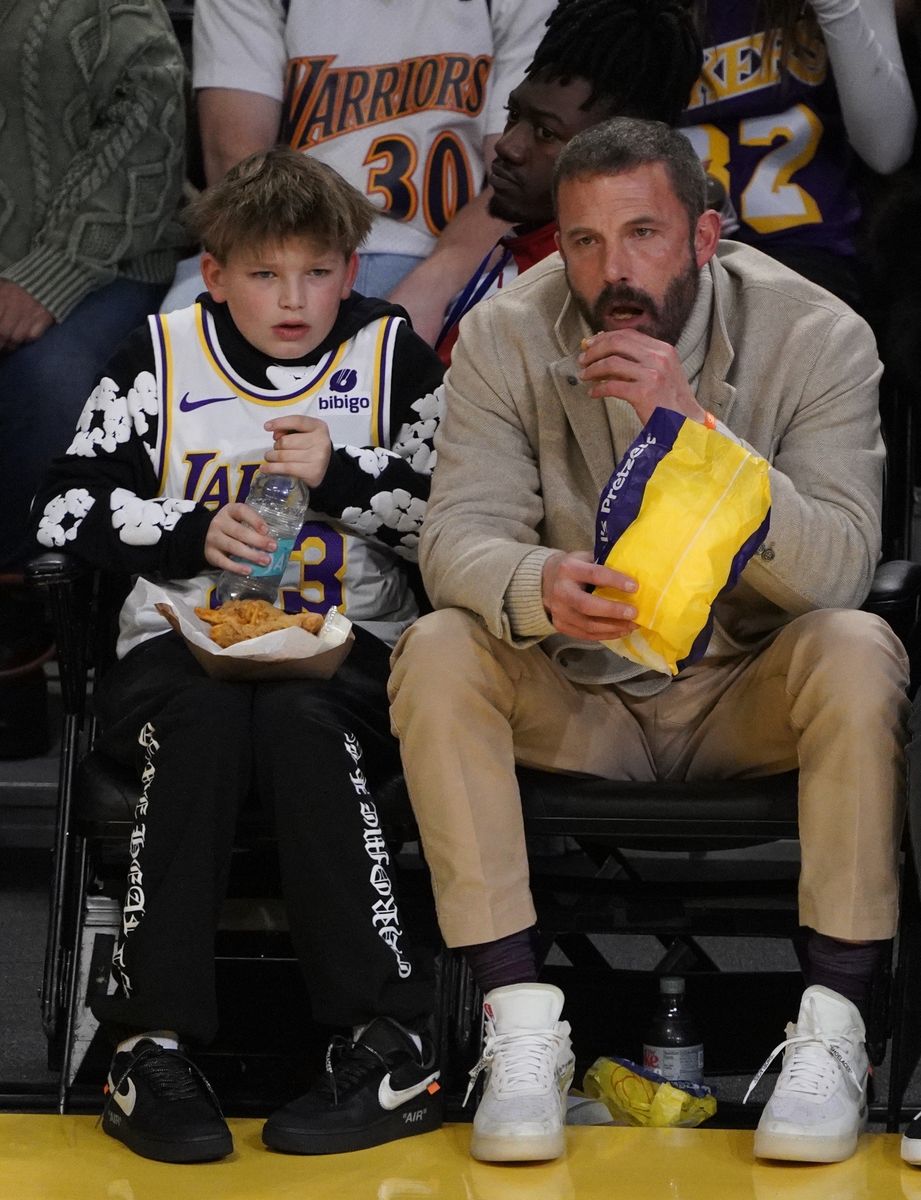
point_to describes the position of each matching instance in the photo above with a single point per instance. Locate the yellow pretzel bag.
(636, 1096)
(682, 514)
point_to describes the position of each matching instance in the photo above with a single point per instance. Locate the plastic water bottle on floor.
(281, 501)
(672, 1046)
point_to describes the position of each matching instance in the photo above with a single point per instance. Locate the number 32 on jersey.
(770, 201)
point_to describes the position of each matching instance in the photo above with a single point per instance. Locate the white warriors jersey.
(414, 138)
(398, 98)
(211, 442)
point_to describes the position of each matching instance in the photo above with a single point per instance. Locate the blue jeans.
(187, 285)
(379, 274)
(43, 387)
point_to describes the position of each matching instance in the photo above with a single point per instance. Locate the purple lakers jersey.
(776, 141)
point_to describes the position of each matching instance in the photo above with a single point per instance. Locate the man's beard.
(663, 321)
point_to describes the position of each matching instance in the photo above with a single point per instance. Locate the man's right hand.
(574, 610)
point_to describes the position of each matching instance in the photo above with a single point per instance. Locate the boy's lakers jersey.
(211, 441)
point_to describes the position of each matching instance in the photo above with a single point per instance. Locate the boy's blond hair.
(275, 195)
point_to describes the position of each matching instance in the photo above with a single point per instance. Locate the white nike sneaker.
(819, 1104)
(529, 1063)
(911, 1141)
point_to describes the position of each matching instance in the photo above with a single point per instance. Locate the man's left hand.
(640, 369)
(302, 448)
(22, 318)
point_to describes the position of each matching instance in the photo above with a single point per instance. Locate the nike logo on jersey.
(391, 1098)
(127, 1099)
(187, 405)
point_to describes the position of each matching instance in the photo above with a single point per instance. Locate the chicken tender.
(240, 620)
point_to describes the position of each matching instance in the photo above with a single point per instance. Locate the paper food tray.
(281, 654)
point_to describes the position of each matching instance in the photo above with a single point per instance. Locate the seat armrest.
(895, 578)
(895, 595)
(66, 585)
(55, 568)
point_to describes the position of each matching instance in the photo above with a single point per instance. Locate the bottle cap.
(671, 985)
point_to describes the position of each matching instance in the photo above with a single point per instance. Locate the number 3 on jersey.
(320, 550)
(447, 179)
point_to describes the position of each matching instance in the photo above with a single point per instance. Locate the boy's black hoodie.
(75, 481)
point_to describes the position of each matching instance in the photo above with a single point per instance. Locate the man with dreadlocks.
(597, 59)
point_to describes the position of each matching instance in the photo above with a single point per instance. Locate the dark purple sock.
(844, 967)
(504, 961)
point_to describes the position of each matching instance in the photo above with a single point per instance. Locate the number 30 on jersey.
(442, 184)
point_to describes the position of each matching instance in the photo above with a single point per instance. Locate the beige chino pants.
(827, 695)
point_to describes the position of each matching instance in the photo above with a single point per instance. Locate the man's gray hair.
(625, 143)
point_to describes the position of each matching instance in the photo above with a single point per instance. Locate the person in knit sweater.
(92, 144)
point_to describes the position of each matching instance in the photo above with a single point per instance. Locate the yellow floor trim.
(69, 1158)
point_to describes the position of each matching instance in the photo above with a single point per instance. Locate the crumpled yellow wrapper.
(635, 1096)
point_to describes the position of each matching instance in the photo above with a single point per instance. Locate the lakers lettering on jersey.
(746, 64)
(211, 442)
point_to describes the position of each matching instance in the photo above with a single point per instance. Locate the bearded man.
(551, 381)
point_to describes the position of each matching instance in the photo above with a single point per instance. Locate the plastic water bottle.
(281, 501)
(672, 1046)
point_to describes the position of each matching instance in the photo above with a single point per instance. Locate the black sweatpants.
(312, 750)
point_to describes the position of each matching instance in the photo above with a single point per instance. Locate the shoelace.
(809, 1065)
(170, 1074)
(527, 1059)
(355, 1061)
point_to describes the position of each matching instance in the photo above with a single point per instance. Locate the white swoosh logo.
(126, 1100)
(391, 1099)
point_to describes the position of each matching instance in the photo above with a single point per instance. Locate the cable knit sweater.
(92, 141)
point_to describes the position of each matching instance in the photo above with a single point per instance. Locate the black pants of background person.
(312, 750)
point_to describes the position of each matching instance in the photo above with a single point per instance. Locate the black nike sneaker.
(161, 1106)
(376, 1089)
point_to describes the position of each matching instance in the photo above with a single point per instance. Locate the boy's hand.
(237, 529)
(302, 448)
(574, 609)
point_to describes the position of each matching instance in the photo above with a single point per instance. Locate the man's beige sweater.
(524, 451)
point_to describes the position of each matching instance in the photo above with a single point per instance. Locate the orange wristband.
(709, 420)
